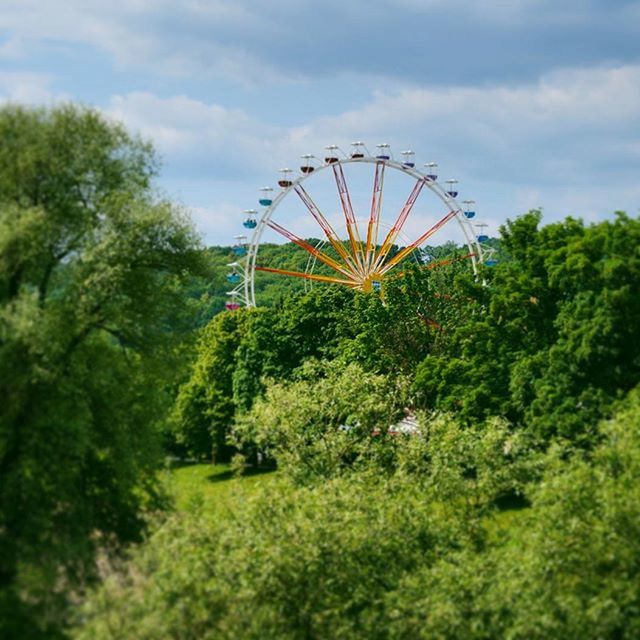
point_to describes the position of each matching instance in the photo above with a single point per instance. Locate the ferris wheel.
(356, 252)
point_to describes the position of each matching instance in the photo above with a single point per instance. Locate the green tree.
(91, 266)
(204, 408)
(550, 342)
(322, 423)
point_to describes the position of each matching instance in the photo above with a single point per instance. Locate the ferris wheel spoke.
(303, 244)
(347, 208)
(439, 263)
(328, 230)
(414, 245)
(398, 224)
(307, 276)
(447, 261)
(374, 216)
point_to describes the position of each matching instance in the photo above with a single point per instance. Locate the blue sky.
(527, 102)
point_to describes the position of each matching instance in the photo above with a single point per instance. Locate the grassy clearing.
(213, 486)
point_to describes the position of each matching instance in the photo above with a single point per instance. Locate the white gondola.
(384, 151)
(233, 304)
(408, 159)
(432, 170)
(266, 196)
(469, 208)
(358, 150)
(285, 178)
(331, 154)
(452, 188)
(307, 165)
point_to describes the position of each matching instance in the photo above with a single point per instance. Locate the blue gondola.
(483, 238)
(383, 153)
(491, 262)
(250, 221)
(233, 278)
(240, 251)
(468, 208)
(265, 202)
(451, 188)
(408, 159)
(432, 170)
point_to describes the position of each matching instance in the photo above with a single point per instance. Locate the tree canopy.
(91, 269)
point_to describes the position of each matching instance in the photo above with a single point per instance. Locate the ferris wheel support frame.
(360, 258)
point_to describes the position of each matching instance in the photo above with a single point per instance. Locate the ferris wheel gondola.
(360, 254)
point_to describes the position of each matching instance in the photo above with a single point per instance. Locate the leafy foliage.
(204, 406)
(91, 275)
(409, 555)
(551, 342)
(321, 424)
(104, 290)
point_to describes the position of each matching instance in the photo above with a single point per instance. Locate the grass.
(216, 489)
(213, 486)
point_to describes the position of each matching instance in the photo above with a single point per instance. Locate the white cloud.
(12, 49)
(135, 34)
(219, 222)
(566, 107)
(569, 142)
(28, 88)
(179, 123)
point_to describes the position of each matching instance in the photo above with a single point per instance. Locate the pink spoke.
(408, 249)
(352, 226)
(328, 230)
(374, 216)
(323, 257)
(399, 223)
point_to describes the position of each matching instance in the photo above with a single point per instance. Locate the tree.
(204, 408)
(321, 423)
(91, 265)
(550, 343)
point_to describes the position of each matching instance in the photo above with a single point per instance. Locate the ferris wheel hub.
(372, 282)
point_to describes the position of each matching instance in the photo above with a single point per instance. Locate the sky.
(528, 103)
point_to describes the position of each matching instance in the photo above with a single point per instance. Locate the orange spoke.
(308, 276)
(439, 263)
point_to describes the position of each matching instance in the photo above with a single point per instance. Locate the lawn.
(215, 486)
